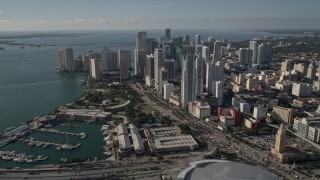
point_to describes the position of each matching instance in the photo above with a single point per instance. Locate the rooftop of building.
(136, 137)
(174, 141)
(293, 149)
(124, 141)
(222, 169)
(165, 131)
(122, 129)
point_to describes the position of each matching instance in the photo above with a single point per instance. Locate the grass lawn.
(121, 113)
(147, 109)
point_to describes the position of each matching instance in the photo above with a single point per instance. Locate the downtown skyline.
(17, 15)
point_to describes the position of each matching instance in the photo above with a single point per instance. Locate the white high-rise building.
(259, 112)
(217, 51)
(199, 76)
(205, 54)
(149, 70)
(264, 54)
(109, 60)
(188, 80)
(301, 89)
(95, 69)
(219, 92)
(261, 55)
(245, 57)
(254, 46)
(215, 72)
(65, 59)
(124, 63)
(158, 64)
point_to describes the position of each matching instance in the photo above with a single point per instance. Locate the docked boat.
(82, 82)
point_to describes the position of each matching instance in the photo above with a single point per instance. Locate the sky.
(22, 15)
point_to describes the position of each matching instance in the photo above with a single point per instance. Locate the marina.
(56, 131)
(45, 144)
(21, 157)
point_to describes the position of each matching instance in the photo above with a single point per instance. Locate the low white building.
(308, 127)
(123, 139)
(136, 139)
(236, 102)
(175, 99)
(227, 120)
(199, 109)
(284, 86)
(259, 112)
(301, 89)
(245, 107)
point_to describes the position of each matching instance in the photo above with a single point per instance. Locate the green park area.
(119, 99)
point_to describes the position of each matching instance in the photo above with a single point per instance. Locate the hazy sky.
(158, 14)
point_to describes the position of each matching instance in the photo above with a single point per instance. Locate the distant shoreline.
(286, 31)
(41, 35)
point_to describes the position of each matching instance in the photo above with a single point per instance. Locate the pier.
(45, 144)
(56, 131)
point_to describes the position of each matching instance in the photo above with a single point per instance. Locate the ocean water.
(29, 87)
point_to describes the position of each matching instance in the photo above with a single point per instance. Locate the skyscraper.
(86, 62)
(197, 39)
(217, 51)
(198, 49)
(219, 92)
(149, 70)
(211, 42)
(199, 76)
(254, 46)
(158, 64)
(261, 54)
(94, 55)
(245, 57)
(169, 51)
(152, 44)
(169, 64)
(124, 63)
(188, 80)
(95, 68)
(65, 59)
(168, 34)
(141, 40)
(140, 53)
(188, 50)
(205, 54)
(186, 39)
(150, 66)
(264, 54)
(109, 60)
(163, 79)
(215, 72)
